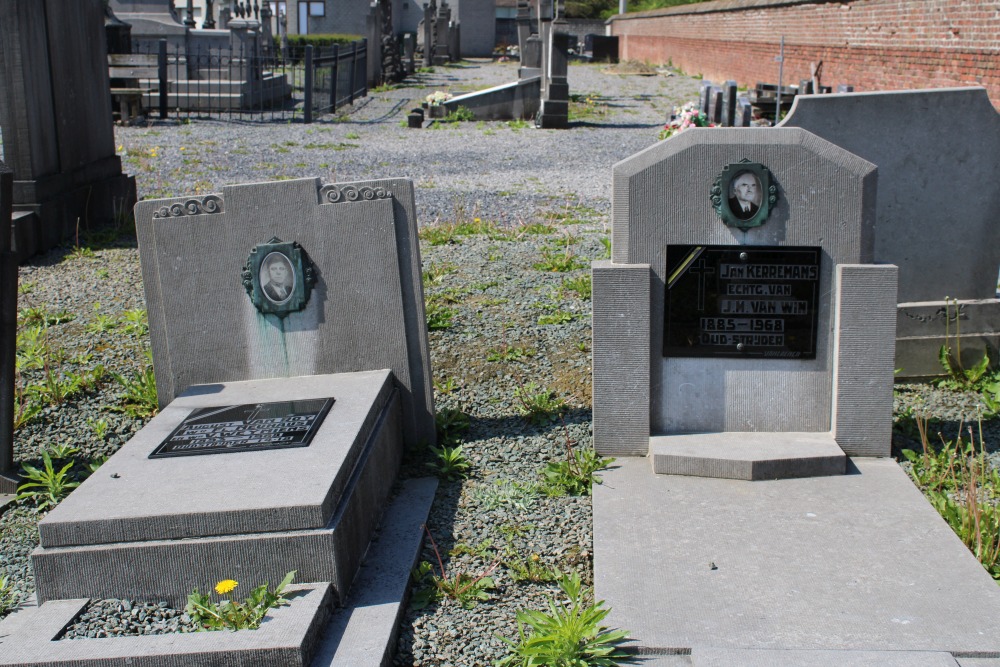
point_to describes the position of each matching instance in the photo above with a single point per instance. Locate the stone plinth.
(146, 528)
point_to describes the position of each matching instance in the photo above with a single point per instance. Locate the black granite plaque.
(741, 301)
(246, 428)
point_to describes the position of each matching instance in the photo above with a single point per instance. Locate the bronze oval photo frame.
(278, 277)
(743, 194)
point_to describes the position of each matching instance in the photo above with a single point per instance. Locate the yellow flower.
(225, 586)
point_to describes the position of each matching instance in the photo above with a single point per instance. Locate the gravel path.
(508, 320)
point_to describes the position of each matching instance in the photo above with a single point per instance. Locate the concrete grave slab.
(858, 561)
(160, 527)
(363, 633)
(286, 638)
(360, 634)
(365, 311)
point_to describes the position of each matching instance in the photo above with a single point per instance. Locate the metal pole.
(309, 84)
(354, 70)
(8, 332)
(161, 74)
(334, 75)
(781, 71)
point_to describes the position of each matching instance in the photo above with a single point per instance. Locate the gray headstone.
(365, 312)
(844, 88)
(855, 314)
(8, 332)
(938, 191)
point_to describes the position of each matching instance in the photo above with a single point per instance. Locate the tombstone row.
(724, 106)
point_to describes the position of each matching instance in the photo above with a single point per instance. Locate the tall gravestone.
(936, 216)
(8, 333)
(55, 115)
(290, 350)
(725, 337)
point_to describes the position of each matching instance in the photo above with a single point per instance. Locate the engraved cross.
(702, 270)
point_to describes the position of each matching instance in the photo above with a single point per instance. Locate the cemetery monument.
(53, 82)
(743, 369)
(290, 347)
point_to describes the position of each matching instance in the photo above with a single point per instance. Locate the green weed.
(46, 486)
(581, 285)
(451, 464)
(537, 404)
(231, 615)
(570, 633)
(466, 589)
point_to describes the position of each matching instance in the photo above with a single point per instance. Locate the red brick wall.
(872, 44)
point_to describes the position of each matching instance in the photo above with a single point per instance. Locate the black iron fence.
(248, 82)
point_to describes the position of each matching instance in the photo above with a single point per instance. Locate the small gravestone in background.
(290, 349)
(744, 112)
(715, 105)
(705, 97)
(733, 305)
(936, 216)
(8, 334)
(729, 92)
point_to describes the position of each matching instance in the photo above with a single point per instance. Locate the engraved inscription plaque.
(741, 301)
(245, 428)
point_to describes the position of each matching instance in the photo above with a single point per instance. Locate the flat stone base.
(921, 328)
(142, 528)
(518, 100)
(855, 562)
(363, 634)
(749, 456)
(287, 638)
(763, 658)
(50, 210)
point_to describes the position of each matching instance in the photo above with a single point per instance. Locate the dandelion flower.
(225, 586)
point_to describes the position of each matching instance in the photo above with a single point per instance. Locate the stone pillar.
(409, 52)
(266, 35)
(8, 333)
(428, 33)
(55, 117)
(373, 31)
(554, 112)
(523, 27)
(455, 41)
(245, 41)
(441, 55)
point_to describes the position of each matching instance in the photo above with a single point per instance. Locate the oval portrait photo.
(277, 279)
(744, 195)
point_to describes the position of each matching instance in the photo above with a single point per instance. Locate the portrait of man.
(744, 195)
(277, 280)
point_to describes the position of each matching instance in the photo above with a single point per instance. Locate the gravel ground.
(497, 293)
